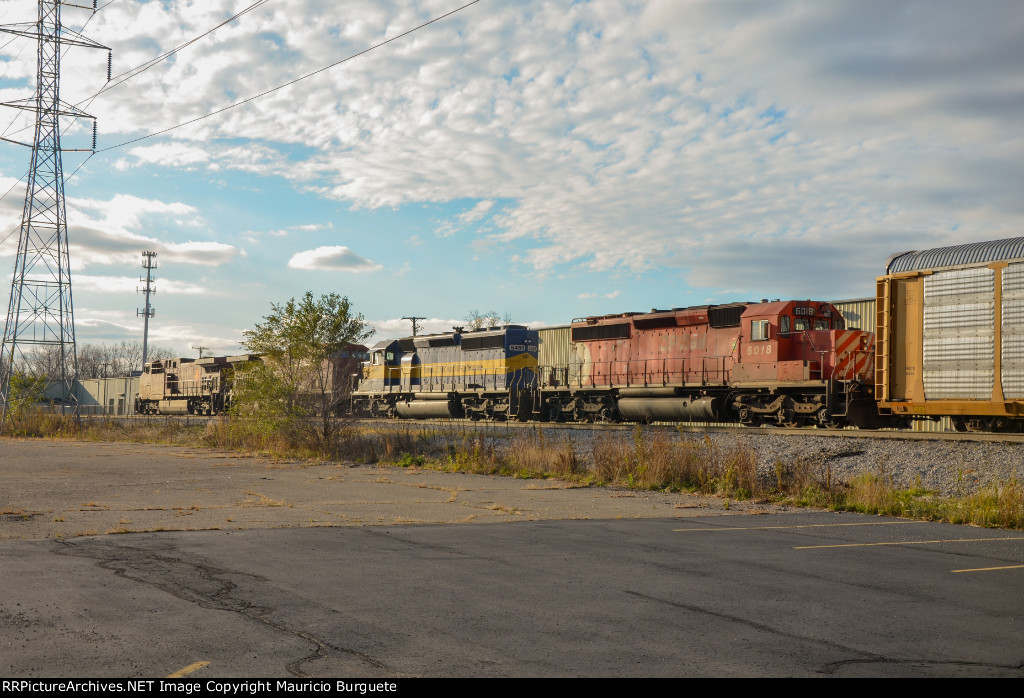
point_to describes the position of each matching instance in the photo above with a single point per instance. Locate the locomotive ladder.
(882, 314)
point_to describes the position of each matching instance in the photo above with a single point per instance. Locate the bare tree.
(96, 360)
(477, 320)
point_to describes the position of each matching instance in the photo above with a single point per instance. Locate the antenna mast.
(149, 311)
(40, 313)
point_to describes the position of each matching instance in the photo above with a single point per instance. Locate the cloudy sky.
(549, 159)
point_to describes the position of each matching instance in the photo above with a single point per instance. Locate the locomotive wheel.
(748, 417)
(789, 419)
(554, 413)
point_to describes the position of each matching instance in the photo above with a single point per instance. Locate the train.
(949, 342)
(206, 386)
(772, 362)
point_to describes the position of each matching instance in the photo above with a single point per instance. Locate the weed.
(407, 459)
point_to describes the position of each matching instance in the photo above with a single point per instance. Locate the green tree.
(296, 386)
(24, 391)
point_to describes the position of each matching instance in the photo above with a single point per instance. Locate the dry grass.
(642, 459)
(676, 462)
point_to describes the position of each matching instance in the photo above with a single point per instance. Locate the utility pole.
(149, 311)
(40, 312)
(415, 325)
(200, 349)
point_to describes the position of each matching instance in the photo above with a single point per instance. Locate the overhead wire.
(290, 82)
(145, 66)
(136, 71)
(19, 180)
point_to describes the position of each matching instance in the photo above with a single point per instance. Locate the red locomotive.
(780, 362)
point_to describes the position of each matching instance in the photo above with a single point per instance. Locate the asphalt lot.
(250, 567)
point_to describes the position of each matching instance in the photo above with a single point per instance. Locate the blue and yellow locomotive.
(478, 374)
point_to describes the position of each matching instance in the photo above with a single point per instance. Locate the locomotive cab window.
(821, 324)
(784, 326)
(758, 330)
(801, 324)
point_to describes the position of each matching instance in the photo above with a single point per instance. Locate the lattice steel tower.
(40, 313)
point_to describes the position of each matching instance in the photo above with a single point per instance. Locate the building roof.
(958, 255)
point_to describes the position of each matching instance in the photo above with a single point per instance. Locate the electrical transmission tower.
(40, 317)
(149, 311)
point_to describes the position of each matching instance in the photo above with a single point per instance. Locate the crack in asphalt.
(830, 667)
(415, 543)
(204, 585)
(870, 656)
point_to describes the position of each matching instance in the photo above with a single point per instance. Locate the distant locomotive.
(187, 386)
(206, 386)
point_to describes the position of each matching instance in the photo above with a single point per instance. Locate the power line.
(18, 55)
(66, 180)
(143, 67)
(40, 311)
(289, 83)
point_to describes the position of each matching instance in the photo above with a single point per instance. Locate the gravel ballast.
(948, 467)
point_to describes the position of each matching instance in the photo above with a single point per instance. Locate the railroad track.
(893, 434)
(482, 426)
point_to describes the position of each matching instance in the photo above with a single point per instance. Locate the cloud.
(109, 326)
(477, 212)
(104, 232)
(400, 327)
(624, 136)
(131, 284)
(170, 154)
(332, 258)
(254, 235)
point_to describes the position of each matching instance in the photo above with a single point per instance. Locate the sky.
(541, 158)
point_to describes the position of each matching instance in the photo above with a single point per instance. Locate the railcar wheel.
(554, 413)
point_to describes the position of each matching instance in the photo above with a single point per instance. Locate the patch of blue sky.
(275, 38)
(772, 115)
(645, 55)
(742, 102)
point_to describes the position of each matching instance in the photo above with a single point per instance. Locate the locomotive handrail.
(629, 373)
